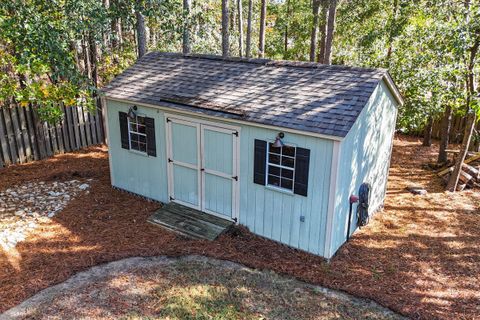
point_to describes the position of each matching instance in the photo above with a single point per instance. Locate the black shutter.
(124, 130)
(302, 162)
(150, 131)
(260, 162)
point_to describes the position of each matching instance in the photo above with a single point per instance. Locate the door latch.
(235, 178)
(170, 160)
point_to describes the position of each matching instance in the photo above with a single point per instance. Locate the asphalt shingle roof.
(298, 95)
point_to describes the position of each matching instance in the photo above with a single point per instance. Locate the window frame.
(280, 166)
(129, 122)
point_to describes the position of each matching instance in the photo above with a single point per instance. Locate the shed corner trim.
(331, 199)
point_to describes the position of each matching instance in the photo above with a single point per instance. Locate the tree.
(314, 36)
(249, 29)
(186, 47)
(445, 135)
(263, 16)
(323, 31)
(332, 11)
(225, 31)
(240, 27)
(141, 32)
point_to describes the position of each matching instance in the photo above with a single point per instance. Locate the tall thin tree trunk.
(323, 31)
(445, 135)
(332, 11)
(86, 57)
(187, 5)
(93, 59)
(225, 31)
(261, 42)
(249, 29)
(314, 35)
(471, 117)
(240, 27)
(427, 133)
(392, 31)
(141, 33)
(285, 35)
(105, 33)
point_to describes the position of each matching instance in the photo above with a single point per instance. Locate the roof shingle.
(298, 95)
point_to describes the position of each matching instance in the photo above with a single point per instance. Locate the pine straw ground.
(420, 257)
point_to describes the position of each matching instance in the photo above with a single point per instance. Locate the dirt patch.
(190, 287)
(419, 257)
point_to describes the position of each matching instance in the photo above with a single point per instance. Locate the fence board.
(10, 139)
(17, 133)
(4, 151)
(25, 134)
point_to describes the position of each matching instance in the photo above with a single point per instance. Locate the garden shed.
(276, 146)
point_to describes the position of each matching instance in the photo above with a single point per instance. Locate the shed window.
(281, 166)
(137, 134)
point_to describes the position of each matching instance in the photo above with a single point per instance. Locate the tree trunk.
(392, 30)
(86, 57)
(225, 32)
(427, 134)
(249, 29)
(323, 32)
(261, 42)
(141, 34)
(285, 39)
(471, 117)
(314, 35)
(105, 34)
(332, 11)
(445, 135)
(187, 6)
(93, 59)
(240, 27)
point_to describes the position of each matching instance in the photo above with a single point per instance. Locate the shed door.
(184, 162)
(219, 171)
(202, 167)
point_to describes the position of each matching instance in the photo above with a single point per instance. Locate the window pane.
(140, 120)
(274, 149)
(142, 147)
(133, 126)
(134, 145)
(141, 129)
(274, 181)
(288, 162)
(273, 158)
(274, 170)
(287, 173)
(287, 184)
(288, 151)
(142, 139)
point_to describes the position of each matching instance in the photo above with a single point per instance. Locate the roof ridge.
(265, 61)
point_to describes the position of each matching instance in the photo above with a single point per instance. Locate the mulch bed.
(420, 257)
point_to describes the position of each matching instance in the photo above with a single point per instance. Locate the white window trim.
(137, 133)
(268, 164)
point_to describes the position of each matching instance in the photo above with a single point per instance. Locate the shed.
(276, 146)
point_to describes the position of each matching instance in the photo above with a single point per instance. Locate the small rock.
(84, 186)
(417, 190)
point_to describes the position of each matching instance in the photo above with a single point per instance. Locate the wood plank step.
(189, 222)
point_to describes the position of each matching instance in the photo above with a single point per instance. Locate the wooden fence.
(24, 138)
(457, 129)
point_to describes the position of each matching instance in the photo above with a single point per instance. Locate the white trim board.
(331, 199)
(234, 121)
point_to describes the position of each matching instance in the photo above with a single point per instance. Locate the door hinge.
(235, 219)
(202, 169)
(170, 160)
(235, 133)
(168, 120)
(236, 178)
(172, 198)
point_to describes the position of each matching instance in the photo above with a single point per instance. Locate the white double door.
(203, 166)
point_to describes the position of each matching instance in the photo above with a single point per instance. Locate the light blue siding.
(275, 214)
(265, 211)
(364, 157)
(133, 171)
